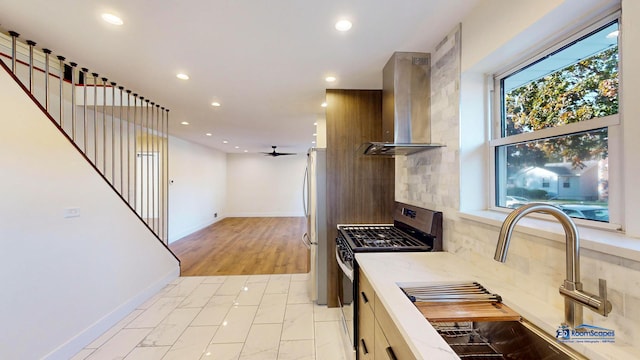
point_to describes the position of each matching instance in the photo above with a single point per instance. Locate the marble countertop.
(385, 270)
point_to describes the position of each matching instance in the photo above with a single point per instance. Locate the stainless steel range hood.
(406, 106)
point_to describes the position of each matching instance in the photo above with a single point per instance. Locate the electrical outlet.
(71, 212)
(215, 215)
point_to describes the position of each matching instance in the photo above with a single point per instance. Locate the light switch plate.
(71, 212)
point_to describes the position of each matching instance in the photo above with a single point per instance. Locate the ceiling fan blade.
(274, 153)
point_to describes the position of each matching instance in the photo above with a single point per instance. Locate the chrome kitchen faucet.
(574, 296)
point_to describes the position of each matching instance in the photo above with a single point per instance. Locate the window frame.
(612, 123)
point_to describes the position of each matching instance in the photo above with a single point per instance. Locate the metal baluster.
(47, 53)
(153, 170)
(84, 108)
(73, 100)
(129, 147)
(157, 142)
(14, 50)
(31, 45)
(61, 59)
(95, 119)
(147, 151)
(135, 148)
(142, 157)
(104, 127)
(113, 134)
(121, 149)
(161, 182)
(156, 168)
(166, 211)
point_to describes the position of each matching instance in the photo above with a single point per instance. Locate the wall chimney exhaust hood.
(406, 106)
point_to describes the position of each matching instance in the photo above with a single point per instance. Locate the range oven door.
(346, 303)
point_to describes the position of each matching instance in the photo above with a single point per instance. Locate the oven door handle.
(345, 269)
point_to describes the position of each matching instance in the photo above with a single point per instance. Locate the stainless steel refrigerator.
(315, 208)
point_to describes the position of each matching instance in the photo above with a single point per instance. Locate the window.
(551, 132)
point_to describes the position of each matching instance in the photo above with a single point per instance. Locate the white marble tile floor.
(261, 317)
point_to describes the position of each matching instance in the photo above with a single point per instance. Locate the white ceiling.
(264, 61)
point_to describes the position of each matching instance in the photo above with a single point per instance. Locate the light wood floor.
(245, 246)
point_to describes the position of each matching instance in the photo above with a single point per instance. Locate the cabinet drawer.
(366, 296)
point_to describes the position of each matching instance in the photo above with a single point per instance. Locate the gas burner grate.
(379, 236)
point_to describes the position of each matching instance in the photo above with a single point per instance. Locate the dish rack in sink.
(466, 341)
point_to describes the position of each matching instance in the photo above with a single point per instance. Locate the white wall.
(259, 185)
(204, 181)
(197, 187)
(65, 280)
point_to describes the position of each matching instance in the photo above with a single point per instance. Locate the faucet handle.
(602, 292)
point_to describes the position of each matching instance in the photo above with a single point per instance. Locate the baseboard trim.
(84, 338)
(269, 214)
(179, 235)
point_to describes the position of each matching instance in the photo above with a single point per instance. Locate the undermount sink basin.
(503, 340)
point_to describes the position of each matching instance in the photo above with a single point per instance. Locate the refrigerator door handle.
(305, 240)
(305, 191)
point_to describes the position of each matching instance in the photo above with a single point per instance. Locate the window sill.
(604, 241)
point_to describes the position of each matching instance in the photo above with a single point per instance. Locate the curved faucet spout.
(570, 229)
(571, 289)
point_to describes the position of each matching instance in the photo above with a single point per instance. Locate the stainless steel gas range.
(413, 229)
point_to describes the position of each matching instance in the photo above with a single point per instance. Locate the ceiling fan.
(274, 153)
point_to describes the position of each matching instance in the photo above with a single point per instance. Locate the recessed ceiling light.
(246, 151)
(324, 104)
(215, 103)
(343, 25)
(315, 124)
(313, 142)
(209, 134)
(237, 147)
(184, 123)
(613, 34)
(314, 134)
(112, 19)
(225, 142)
(182, 76)
(330, 79)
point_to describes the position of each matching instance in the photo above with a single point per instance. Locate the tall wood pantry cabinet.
(360, 188)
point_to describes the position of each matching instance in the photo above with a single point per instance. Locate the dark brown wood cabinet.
(360, 188)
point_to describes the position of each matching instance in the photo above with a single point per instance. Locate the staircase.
(123, 135)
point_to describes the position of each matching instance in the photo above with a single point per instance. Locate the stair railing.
(123, 135)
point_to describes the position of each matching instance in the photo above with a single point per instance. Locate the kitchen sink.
(503, 340)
